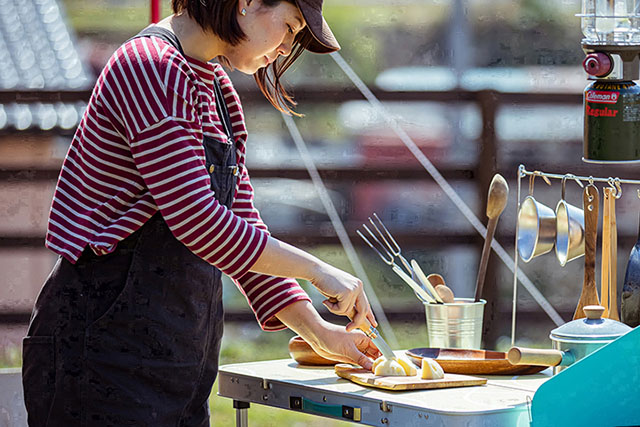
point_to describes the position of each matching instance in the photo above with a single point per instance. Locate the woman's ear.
(243, 5)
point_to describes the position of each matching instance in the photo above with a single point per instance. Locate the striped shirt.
(138, 150)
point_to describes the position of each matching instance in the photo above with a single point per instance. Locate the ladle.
(496, 202)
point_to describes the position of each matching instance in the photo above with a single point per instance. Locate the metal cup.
(536, 225)
(536, 229)
(569, 229)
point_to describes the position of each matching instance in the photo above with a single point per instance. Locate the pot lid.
(593, 327)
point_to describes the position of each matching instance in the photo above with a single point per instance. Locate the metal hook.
(615, 184)
(533, 176)
(618, 188)
(570, 176)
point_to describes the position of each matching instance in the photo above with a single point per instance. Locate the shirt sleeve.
(153, 98)
(266, 295)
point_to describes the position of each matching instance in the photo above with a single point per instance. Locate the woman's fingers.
(348, 347)
(361, 310)
(372, 318)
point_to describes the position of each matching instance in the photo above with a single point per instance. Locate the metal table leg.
(242, 413)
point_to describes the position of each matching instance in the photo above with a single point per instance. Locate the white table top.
(500, 394)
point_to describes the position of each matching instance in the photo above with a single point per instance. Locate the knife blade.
(370, 331)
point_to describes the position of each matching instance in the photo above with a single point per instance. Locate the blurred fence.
(491, 157)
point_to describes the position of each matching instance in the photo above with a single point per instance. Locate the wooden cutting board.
(367, 378)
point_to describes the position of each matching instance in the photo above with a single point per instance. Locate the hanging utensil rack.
(523, 173)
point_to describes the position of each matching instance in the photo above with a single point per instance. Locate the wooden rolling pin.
(534, 356)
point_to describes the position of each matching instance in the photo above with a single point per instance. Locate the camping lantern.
(612, 101)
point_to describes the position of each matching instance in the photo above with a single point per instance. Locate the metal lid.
(593, 327)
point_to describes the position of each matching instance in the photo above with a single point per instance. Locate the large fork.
(392, 250)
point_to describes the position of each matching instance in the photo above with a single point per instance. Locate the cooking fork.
(394, 248)
(388, 259)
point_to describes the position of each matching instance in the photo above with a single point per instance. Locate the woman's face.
(270, 32)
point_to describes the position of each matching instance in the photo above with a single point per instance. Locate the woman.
(152, 205)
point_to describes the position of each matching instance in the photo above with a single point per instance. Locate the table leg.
(242, 415)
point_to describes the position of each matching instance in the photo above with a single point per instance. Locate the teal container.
(611, 122)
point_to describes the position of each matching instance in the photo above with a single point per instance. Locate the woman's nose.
(285, 48)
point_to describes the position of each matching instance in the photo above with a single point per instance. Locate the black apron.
(131, 338)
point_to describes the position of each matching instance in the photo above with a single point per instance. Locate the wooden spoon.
(444, 292)
(589, 294)
(613, 260)
(424, 280)
(606, 250)
(496, 202)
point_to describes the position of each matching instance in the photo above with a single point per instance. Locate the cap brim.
(323, 39)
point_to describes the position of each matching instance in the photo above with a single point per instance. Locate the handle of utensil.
(425, 282)
(606, 250)
(416, 288)
(372, 333)
(484, 258)
(613, 259)
(534, 356)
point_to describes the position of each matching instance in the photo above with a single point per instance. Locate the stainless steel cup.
(569, 227)
(536, 229)
(455, 325)
(569, 232)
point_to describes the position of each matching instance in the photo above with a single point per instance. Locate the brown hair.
(219, 17)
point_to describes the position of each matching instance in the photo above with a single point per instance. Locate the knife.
(373, 334)
(378, 341)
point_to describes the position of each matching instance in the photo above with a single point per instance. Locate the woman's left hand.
(335, 343)
(345, 295)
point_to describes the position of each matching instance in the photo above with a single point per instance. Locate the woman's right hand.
(344, 292)
(345, 295)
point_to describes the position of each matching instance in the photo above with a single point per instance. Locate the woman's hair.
(219, 17)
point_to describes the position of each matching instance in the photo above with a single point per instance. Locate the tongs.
(414, 277)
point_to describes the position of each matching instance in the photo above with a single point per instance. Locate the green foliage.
(10, 356)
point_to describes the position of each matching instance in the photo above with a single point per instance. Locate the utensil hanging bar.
(523, 172)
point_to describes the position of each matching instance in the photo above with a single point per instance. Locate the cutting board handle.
(534, 356)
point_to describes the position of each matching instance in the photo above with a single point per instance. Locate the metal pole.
(156, 8)
(446, 187)
(242, 413)
(359, 269)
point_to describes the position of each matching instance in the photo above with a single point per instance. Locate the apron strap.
(169, 37)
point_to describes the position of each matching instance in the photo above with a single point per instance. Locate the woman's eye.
(290, 29)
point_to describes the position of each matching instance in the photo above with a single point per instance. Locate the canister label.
(601, 97)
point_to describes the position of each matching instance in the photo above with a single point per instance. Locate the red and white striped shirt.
(138, 150)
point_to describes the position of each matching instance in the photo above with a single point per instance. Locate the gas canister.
(611, 122)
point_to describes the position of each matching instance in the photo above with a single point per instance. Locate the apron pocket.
(38, 377)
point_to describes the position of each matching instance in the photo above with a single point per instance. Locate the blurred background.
(481, 86)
